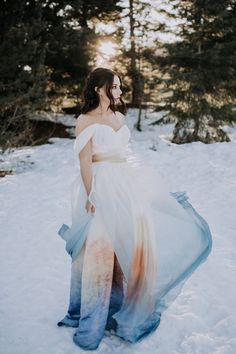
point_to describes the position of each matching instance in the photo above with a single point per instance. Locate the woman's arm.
(85, 157)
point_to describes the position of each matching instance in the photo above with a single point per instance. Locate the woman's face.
(115, 91)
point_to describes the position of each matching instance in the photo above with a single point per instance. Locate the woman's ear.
(96, 89)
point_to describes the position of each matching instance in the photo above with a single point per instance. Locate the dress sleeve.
(80, 142)
(82, 139)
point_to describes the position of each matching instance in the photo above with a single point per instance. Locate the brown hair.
(100, 77)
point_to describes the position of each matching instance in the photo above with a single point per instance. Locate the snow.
(35, 269)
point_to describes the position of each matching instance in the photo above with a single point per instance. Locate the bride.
(132, 242)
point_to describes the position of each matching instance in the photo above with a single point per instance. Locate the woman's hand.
(90, 208)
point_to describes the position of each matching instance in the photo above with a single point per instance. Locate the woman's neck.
(103, 111)
(103, 108)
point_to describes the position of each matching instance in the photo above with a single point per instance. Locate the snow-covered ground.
(35, 268)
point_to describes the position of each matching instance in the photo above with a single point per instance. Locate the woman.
(132, 243)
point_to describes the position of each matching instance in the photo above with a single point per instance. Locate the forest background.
(174, 56)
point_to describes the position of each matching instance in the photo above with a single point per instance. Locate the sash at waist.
(108, 157)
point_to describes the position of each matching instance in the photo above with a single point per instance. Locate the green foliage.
(22, 72)
(47, 49)
(72, 43)
(22, 54)
(200, 68)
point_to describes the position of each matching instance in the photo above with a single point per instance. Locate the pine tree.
(201, 69)
(46, 50)
(22, 54)
(72, 42)
(139, 19)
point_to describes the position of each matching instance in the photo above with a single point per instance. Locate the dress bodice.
(104, 139)
(107, 140)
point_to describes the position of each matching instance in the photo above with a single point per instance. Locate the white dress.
(131, 257)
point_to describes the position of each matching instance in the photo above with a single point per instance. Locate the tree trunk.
(134, 72)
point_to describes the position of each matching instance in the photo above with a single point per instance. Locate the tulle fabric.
(158, 237)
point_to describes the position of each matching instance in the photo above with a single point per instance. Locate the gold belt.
(110, 158)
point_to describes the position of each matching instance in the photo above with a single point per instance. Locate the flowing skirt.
(131, 257)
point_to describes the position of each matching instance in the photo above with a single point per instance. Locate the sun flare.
(106, 50)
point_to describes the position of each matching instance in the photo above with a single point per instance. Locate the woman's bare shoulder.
(82, 122)
(120, 116)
